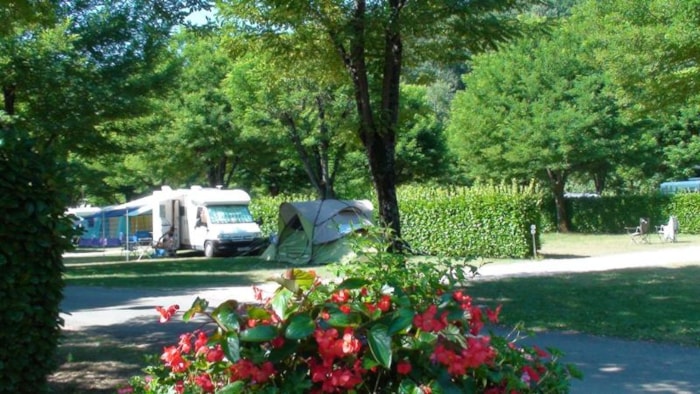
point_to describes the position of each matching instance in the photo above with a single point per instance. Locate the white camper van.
(212, 220)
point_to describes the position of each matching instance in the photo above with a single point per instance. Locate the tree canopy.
(539, 109)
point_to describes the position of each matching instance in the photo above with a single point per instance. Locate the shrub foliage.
(34, 234)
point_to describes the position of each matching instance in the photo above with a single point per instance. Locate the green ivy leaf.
(403, 319)
(300, 327)
(231, 346)
(380, 345)
(226, 315)
(259, 334)
(198, 306)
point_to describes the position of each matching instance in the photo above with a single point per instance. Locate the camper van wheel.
(208, 249)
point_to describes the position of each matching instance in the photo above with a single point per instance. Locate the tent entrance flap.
(316, 231)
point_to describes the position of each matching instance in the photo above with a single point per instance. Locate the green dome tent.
(316, 231)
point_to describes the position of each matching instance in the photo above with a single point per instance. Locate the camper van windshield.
(226, 214)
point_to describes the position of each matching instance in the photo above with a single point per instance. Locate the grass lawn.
(658, 304)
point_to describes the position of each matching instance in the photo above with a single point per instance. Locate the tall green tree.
(372, 41)
(652, 50)
(541, 109)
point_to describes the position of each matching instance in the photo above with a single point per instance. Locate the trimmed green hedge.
(34, 234)
(611, 214)
(478, 222)
(686, 207)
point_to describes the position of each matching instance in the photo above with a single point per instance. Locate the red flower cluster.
(172, 357)
(205, 383)
(246, 370)
(166, 314)
(428, 320)
(478, 352)
(335, 379)
(332, 347)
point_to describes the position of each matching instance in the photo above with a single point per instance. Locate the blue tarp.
(117, 212)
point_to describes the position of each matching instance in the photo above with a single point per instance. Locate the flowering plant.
(355, 336)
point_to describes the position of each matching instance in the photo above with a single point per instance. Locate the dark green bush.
(33, 236)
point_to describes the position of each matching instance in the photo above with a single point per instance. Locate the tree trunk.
(557, 179)
(599, 181)
(378, 134)
(8, 95)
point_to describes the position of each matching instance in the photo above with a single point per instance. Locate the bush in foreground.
(410, 330)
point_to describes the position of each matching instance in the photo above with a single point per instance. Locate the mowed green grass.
(658, 304)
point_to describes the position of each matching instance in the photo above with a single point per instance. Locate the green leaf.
(340, 319)
(259, 334)
(296, 279)
(446, 384)
(353, 283)
(236, 387)
(231, 346)
(300, 327)
(281, 302)
(380, 345)
(198, 306)
(257, 313)
(403, 319)
(408, 386)
(225, 314)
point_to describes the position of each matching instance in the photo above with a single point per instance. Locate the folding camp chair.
(639, 234)
(667, 232)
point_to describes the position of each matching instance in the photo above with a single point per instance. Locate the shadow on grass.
(657, 304)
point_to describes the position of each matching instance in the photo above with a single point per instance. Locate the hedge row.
(487, 221)
(494, 221)
(610, 215)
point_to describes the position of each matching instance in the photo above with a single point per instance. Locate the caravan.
(212, 220)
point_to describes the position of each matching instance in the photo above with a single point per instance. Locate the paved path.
(609, 365)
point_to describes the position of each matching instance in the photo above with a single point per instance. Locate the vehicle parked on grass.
(213, 220)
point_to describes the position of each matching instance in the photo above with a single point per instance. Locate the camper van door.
(201, 228)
